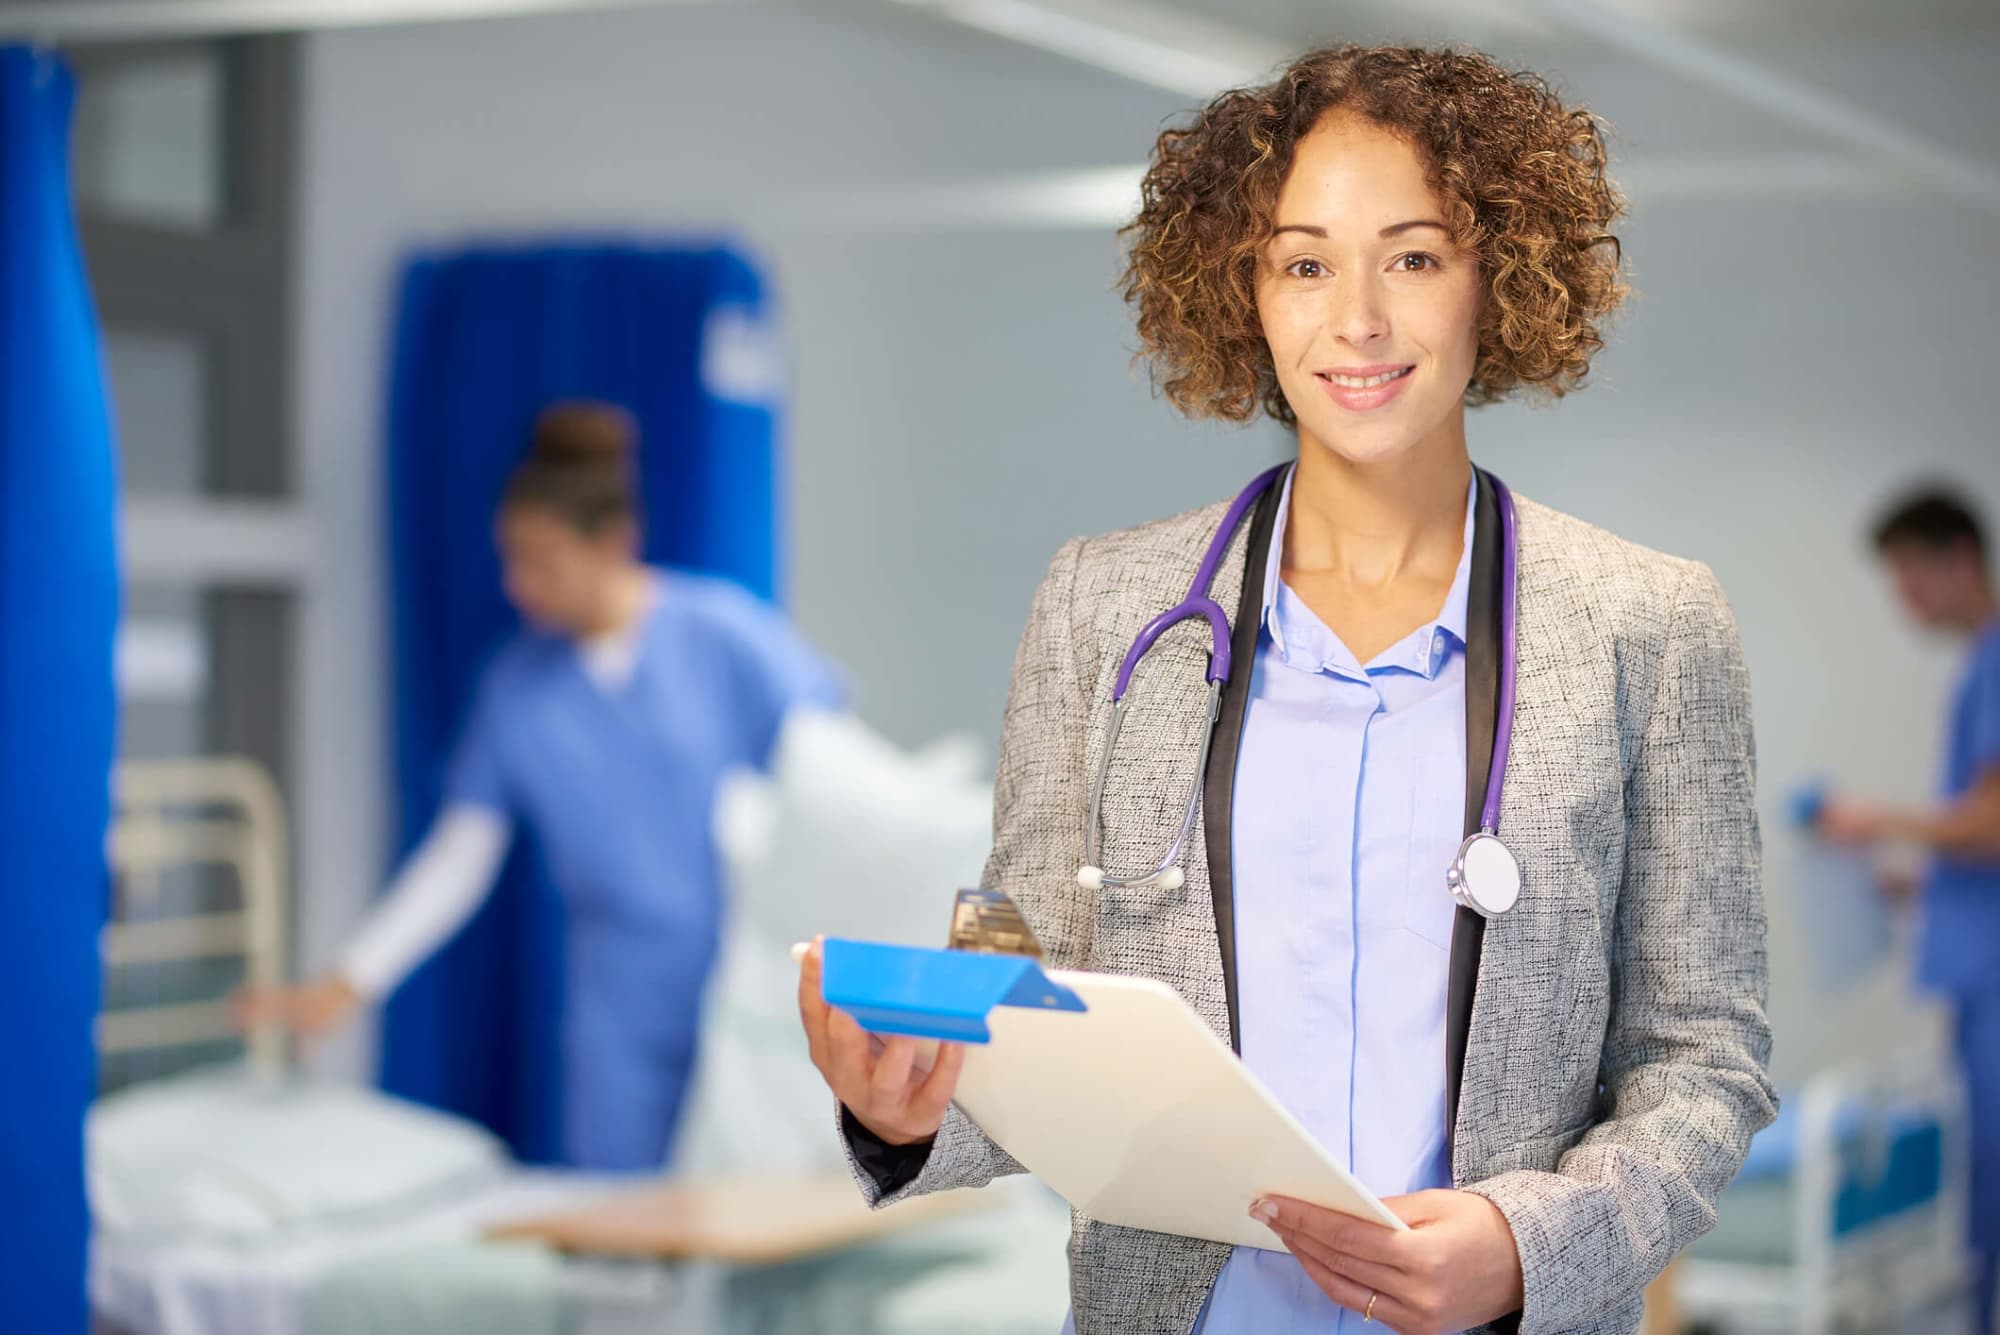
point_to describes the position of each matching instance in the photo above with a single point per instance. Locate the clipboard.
(1110, 1089)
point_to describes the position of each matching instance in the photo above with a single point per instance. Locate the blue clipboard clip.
(941, 994)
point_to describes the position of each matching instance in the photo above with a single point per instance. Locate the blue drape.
(484, 340)
(58, 611)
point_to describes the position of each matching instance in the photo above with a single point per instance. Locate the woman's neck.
(1366, 525)
(628, 598)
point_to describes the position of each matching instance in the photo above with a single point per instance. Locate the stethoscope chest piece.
(1484, 877)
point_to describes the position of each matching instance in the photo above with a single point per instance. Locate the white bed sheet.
(213, 1287)
(995, 1272)
(223, 1152)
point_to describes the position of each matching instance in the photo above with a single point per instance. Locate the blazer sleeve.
(1686, 1050)
(1039, 800)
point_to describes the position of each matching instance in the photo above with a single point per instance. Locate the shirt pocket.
(1437, 815)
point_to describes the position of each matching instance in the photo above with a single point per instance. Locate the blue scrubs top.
(618, 786)
(1960, 951)
(1959, 954)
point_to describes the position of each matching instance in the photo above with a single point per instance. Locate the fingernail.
(1263, 1212)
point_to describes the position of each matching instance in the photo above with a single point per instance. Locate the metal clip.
(989, 922)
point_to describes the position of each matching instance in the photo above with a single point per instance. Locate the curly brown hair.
(1521, 178)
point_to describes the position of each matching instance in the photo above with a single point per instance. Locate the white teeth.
(1366, 381)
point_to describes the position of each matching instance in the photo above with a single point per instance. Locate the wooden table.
(742, 1221)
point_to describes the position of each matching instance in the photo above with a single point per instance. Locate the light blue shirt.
(1350, 802)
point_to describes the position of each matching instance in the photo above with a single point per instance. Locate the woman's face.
(1370, 311)
(555, 575)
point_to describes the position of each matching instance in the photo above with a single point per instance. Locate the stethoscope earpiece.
(1092, 878)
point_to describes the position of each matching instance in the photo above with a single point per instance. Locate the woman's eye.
(1416, 262)
(1305, 269)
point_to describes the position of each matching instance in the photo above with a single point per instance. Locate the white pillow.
(224, 1153)
(848, 835)
(851, 835)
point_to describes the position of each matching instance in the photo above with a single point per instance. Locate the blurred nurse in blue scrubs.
(604, 727)
(1935, 547)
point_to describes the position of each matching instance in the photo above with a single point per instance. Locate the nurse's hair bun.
(585, 431)
(579, 466)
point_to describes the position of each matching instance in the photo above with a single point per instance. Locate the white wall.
(964, 401)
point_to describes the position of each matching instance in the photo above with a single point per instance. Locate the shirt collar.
(1450, 619)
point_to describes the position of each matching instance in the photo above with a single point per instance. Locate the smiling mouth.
(1363, 381)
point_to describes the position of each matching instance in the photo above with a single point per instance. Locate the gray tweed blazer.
(1606, 1040)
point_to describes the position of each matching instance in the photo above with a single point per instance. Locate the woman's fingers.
(308, 1008)
(889, 1082)
(1372, 1273)
(814, 1014)
(849, 1061)
(1341, 1232)
(1356, 1297)
(812, 1006)
(930, 1098)
(876, 1076)
(251, 1006)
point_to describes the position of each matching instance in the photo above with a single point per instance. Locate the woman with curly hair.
(1547, 1054)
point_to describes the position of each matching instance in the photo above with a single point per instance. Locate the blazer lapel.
(1482, 682)
(1219, 786)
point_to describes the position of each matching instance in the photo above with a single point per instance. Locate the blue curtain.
(58, 612)
(484, 340)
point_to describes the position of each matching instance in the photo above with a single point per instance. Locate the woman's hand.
(1900, 884)
(1454, 1269)
(882, 1081)
(1853, 822)
(309, 1009)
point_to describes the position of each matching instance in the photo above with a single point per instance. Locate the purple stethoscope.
(1484, 876)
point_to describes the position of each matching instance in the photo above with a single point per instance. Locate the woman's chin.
(1369, 446)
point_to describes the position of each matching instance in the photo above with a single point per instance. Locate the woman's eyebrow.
(1398, 228)
(1393, 229)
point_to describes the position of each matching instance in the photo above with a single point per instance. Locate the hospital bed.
(174, 820)
(209, 1221)
(1848, 1216)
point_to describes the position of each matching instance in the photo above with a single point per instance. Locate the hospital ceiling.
(1289, 23)
(1844, 96)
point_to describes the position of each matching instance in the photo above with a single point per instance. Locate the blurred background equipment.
(1849, 1214)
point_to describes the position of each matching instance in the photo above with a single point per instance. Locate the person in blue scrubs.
(1935, 549)
(604, 727)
